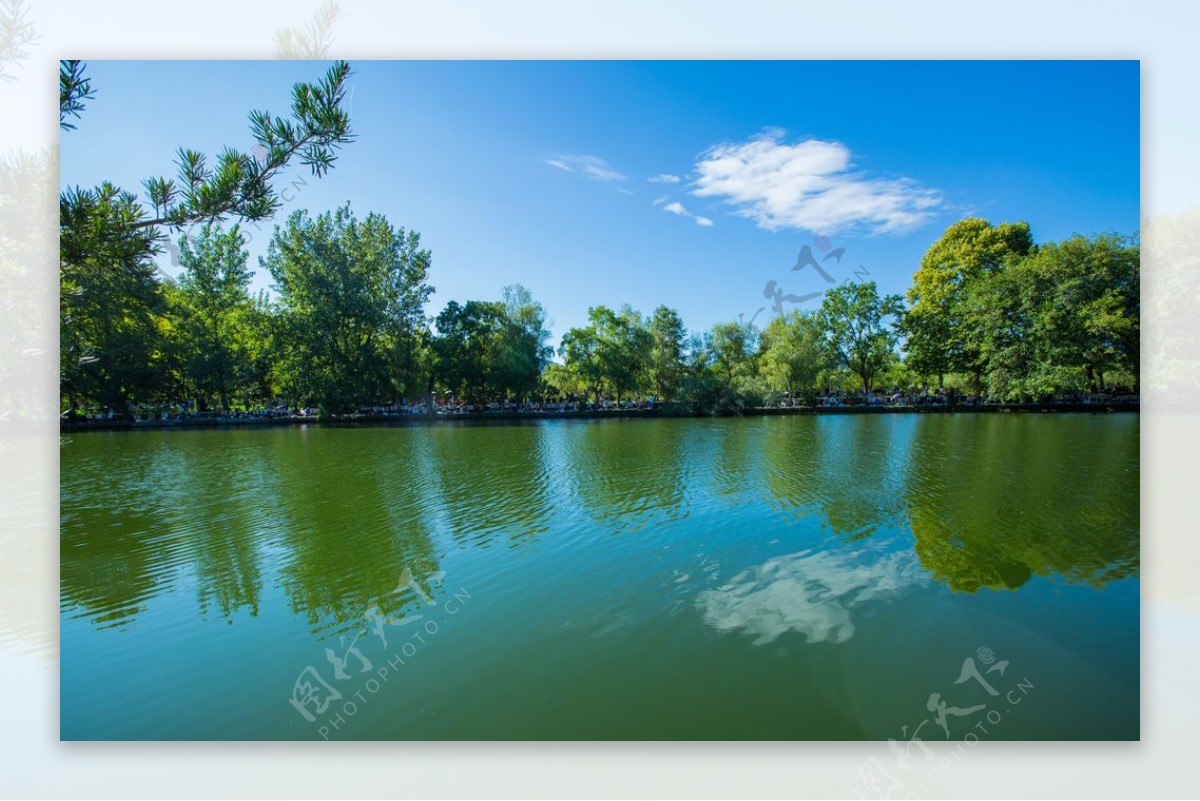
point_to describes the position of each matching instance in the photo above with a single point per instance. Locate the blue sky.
(686, 183)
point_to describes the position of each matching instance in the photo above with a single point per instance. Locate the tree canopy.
(116, 326)
(351, 296)
(345, 324)
(859, 326)
(938, 341)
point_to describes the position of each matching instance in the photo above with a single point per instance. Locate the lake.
(839, 577)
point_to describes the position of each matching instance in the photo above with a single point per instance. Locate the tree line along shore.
(992, 319)
(1007, 322)
(1101, 403)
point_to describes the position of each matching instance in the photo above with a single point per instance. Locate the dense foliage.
(120, 325)
(990, 312)
(346, 328)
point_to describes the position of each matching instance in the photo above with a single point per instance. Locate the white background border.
(36, 764)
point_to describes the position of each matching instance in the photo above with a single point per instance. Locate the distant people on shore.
(450, 407)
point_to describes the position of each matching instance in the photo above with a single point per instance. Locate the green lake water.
(817, 577)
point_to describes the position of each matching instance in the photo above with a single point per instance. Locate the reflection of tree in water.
(629, 473)
(227, 569)
(794, 474)
(107, 565)
(171, 509)
(847, 468)
(354, 521)
(492, 480)
(111, 559)
(347, 524)
(209, 490)
(996, 499)
(736, 458)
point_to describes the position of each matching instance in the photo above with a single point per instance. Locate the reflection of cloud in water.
(811, 593)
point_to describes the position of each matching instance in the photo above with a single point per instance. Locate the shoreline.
(350, 421)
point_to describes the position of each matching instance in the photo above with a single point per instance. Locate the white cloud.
(809, 185)
(665, 178)
(811, 593)
(593, 167)
(675, 207)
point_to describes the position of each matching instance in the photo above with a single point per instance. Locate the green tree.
(469, 338)
(260, 350)
(612, 353)
(793, 352)
(74, 88)
(724, 377)
(666, 366)
(113, 322)
(731, 346)
(625, 346)
(112, 308)
(997, 309)
(349, 292)
(858, 334)
(1059, 320)
(239, 184)
(523, 350)
(216, 323)
(1089, 309)
(581, 350)
(560, 381)
(937, 341)
(415, 363)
